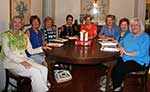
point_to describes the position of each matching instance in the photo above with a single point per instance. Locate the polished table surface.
(73, 54)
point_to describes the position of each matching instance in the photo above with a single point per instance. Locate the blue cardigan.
(138, 44)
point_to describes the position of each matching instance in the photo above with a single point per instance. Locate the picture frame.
(21, 8)
(98, 9)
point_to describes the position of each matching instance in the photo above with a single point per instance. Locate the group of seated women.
(133, 45)
(22, 52)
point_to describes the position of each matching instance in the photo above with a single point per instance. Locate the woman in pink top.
(89, 27)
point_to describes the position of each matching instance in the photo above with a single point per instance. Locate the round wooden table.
(73, 54)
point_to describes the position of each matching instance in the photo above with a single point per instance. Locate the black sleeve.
(63, 32)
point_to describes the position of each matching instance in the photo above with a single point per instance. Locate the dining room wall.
(120, 8)
(36, 8)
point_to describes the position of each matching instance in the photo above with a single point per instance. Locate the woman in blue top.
(134, 52)
(36, 39)
(110, 28)
(49, 30)
(123, 31)
(119, 35)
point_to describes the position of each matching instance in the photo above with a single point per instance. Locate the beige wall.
(4, 21)
(36, 7)
(65, 7)
(122, 8)
(4, 17)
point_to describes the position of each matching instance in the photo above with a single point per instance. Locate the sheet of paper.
(55, 44)
(60, 40)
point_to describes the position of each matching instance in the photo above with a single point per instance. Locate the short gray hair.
(141, 25)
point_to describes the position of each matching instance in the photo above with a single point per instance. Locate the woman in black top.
(69, 29)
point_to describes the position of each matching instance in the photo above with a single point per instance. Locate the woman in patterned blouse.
(49, 30)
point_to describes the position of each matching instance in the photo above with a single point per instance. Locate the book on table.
(110, 48)
(108, 43)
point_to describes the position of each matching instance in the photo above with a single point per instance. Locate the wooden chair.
(141, 76)
(26, 27)
(19, 79)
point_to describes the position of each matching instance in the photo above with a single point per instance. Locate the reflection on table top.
(70, 53)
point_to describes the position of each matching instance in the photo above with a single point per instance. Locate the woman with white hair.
(134, 54)
(14, 42)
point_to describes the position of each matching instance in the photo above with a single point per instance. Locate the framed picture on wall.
(98, 9)
(20, 8)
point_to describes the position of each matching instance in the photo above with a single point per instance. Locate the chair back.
(21, 81)
(142, 77)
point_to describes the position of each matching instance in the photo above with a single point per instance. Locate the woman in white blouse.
(14, 43)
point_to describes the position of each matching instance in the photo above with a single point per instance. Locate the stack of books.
(109, 46)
